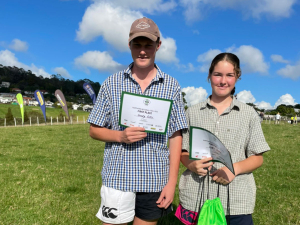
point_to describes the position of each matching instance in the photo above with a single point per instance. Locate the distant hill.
(27, 81)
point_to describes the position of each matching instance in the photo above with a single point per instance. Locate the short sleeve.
(256, 143)
(186, 133)
(177, 119)
(101, 115)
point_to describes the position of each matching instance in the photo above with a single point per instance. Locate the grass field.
(50, 112)
(51, 175)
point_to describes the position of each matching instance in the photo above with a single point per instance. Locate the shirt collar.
(159, 74)
(235, 104)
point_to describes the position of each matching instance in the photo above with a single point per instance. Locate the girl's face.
(223, 79)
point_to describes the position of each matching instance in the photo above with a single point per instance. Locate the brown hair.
(228, 57)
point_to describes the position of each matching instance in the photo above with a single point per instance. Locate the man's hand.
(223, 176)
(166, 197)
(132, 134)
(199, 166)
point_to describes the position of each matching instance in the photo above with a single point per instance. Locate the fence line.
(35, 121)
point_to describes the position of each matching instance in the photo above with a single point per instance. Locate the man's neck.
(143, 76)
(143, 73)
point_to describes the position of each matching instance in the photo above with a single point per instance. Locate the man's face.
(143, 51)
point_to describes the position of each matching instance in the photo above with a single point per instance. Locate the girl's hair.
(228, 57)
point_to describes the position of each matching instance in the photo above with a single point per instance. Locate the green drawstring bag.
(212, 213)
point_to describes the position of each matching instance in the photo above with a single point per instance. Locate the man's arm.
(167, 194)
(128, 136)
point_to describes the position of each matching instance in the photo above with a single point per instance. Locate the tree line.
(27, 81)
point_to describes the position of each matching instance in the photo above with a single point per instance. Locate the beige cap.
(144, 27)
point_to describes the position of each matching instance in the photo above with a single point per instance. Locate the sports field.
(51, 175)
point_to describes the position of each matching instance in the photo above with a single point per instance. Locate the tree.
(25, 116)
(297, 106)
(9, 116)
(184, 101)
(285, 110)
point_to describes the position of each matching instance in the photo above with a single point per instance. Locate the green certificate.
(204, 144)
(144, 111)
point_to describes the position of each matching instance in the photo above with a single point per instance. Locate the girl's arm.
(224, 176)
(196, 166)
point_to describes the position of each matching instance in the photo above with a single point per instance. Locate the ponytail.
(233, 91)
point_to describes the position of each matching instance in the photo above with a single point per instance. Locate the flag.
(61, 98)
(89, 89)
(40, 98)
(20, 101)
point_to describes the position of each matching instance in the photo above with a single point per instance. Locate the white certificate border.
(191, 141)
(146, 96)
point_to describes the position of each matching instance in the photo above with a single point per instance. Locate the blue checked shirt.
(142, 166)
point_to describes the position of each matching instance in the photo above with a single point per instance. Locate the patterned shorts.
(186, 216)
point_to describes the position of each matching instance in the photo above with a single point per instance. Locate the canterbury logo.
(107, 212)
(143, 25)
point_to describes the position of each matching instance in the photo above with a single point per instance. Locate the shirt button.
(217, 122)
(216, 133)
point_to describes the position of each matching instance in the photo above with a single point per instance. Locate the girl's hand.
(199, 166)
(223, 176)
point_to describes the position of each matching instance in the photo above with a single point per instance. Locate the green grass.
(51, 175)
(50, 112)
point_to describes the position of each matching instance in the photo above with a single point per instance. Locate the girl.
(238, 127)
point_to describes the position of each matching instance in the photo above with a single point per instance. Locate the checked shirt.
(142, 166)
(239, 129)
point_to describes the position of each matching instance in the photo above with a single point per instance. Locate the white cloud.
(18, 45)
(286, 99)
(62, 71)
(254, 8)
(167, 51)
(113, 23)
(194, 95)
(101, 61)
(246, 97)
(278, 58)
(7, 58)
(264, 105)
(290, 71)
(206, 59)
(145, 6)
(251, 58)
(186, 68)
(273, 8)
(192, 10)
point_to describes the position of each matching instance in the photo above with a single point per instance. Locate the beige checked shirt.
(239, 129)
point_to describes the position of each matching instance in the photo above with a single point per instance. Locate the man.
(139, 172)
(277, 119)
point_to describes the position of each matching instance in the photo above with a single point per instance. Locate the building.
(7, 97)
(26, 100)
(16, 90)
(5, 84)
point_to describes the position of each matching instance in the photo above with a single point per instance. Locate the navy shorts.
(146, 207)
(240, 220)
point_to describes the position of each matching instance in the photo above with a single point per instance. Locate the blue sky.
(88, 39)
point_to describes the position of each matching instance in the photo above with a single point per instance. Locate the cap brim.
(143, 34)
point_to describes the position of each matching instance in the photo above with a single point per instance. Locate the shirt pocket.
(230, 137)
